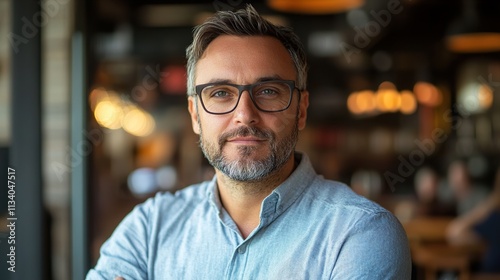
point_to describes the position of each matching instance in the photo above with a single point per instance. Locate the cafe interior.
(404, 108)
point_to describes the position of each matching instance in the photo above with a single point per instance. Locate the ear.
(193, 111)
(304, 104)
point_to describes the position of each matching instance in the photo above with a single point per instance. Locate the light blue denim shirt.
(310, 228)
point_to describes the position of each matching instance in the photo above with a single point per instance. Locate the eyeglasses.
(268, 96)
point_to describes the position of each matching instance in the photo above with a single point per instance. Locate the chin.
(247, 152)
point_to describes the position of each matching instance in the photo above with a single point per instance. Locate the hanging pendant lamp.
(315, 6)
(473, 33)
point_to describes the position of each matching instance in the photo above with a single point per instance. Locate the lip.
(248, 139)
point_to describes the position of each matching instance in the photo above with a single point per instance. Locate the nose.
(246, 112)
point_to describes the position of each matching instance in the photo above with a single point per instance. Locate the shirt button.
(242, 249)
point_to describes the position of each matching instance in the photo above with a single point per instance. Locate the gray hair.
(243, 22)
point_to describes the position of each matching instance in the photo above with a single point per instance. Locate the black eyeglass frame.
(249, 89)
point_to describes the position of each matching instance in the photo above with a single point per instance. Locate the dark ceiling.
(420, 26)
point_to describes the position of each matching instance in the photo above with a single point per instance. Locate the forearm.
(460, 230)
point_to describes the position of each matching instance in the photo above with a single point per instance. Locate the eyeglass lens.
(267, 96)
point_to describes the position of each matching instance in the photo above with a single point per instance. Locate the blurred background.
(93, 115)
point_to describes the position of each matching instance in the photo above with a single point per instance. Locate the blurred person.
(481, 224)
(266, 214)
(367, 183)
(465, 194)
(428, 203)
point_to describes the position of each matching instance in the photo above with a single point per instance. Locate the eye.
(268, 92)
(219, 93)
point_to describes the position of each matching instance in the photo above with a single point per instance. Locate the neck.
(243, 200)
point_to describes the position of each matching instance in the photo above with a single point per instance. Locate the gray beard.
(245, 169)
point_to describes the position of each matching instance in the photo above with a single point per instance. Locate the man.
(465, 193)
(266, 214)
(481, 225)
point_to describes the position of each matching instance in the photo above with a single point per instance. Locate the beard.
(246, 169)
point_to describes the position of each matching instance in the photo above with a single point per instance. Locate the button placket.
(242, 249)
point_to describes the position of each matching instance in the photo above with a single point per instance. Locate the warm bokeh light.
(315, 6)
(387, 97)
(387, 85)
(474, 42)
(352, 104)
(475, 98)
(137, 122)
(97, 95)
(427, 94)
(388, 100)
(366, 101)
(110, 111)
(108, 114)
(408, 102)
(485, 96)
(362, 102)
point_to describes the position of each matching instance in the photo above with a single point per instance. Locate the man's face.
(247, 144)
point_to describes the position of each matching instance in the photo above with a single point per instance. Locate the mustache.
(245, 131)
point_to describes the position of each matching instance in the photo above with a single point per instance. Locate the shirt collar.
(281, 197)
(285, 194)
(213, 195)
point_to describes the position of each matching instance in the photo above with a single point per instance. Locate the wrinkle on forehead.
(244, 59)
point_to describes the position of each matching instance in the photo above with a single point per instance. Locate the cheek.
(285, 121)
(211, 128)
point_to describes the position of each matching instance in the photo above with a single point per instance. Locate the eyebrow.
(261, 79)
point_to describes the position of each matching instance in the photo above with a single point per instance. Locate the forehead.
(244, 59)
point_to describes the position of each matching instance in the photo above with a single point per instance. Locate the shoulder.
(328, 197)
(335, 195)
(347, 214)
(370, 234)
